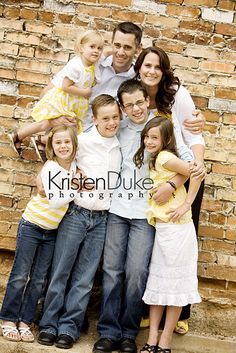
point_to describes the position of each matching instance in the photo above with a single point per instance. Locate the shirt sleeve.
(165, 156)
(57, 184)
(182, 110)
(73, 69)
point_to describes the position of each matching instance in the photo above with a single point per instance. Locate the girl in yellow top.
(72, 88)
(37, 234)
(172, 279)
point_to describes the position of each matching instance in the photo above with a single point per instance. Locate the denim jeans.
(127, 254)
(33, 256)
(78, 250)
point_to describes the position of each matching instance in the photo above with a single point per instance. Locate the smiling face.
(135, 105)
(124, 48)
(62, 146)
(150, 71)
(91, 50)
(153, 140)
(107, 120)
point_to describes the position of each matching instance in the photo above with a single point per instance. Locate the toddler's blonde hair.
(87, 36)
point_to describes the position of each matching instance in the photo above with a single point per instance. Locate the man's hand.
(63, 120)
(195, 126)
(176, 214)
(162, 193)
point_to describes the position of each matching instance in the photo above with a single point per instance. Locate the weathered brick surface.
(37, 39)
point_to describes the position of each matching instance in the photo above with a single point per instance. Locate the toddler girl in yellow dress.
(72, 88)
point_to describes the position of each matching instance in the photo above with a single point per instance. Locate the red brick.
(185, 37)
(211, 116)
(225, 93)
(184, 11)
(198, 26)
(25, 51)
(218, 219)
(23, 102)
(169, 46)
(6, 201)
(201, 103)
(30, 90)
(218, 245)
(168, 33)
(28, 14)
(94, 11)
(224, 168)
(225, 4)
(23, 2)
(230, 234)
(226, 29)
(229, 118)
(46, 16)
(34, 77)
(25, 179)
(116, 2)
(11, 12)
(202, 39)
(64, 18)
(9, 100)
(137, 17)
(209, 3)
(212, 232)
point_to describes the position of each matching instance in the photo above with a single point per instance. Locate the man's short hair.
(101, 101)
(129, 28)
(130, 86)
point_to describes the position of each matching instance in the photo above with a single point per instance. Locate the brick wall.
(37, 38)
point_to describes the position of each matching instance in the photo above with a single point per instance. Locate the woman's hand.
(196, 125)
(176, 214)
(197, 170)
(162, 193)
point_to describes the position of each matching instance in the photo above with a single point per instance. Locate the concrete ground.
(190, 343)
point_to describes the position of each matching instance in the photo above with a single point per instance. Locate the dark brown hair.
(130, 86)
(166, 88)
(167, 137)
(129, 28)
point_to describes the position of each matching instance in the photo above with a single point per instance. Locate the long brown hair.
(169, 84)
(167, 137)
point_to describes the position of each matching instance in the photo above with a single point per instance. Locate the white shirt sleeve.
(57, 184)
(182, 110)
(73, 70)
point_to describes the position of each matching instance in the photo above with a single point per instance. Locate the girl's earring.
(138, 77)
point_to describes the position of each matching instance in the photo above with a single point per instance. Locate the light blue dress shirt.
(129, 200)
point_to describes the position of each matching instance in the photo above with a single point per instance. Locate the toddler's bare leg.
(33, 128)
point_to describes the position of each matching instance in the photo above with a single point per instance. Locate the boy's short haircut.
(101, 101)
(129, 28)
(130, 86)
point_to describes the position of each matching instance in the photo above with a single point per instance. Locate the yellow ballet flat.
(181, 327)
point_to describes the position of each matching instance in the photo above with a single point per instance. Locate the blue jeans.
(78, 250)
(33, 256)
(127, 254)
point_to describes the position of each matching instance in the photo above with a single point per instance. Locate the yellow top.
(160, 175)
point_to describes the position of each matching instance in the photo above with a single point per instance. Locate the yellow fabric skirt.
(58, 103)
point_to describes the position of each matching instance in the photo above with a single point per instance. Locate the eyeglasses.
(139, 103)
